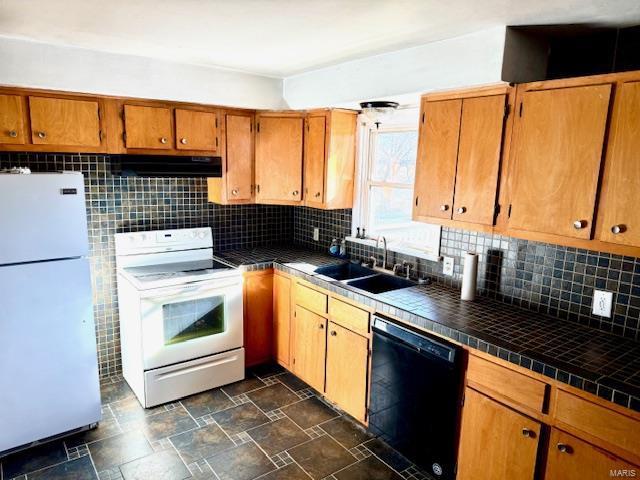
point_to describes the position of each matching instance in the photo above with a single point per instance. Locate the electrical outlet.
(316, 234)
(602, 303)
(447, 266)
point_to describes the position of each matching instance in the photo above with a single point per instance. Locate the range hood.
(166, 166)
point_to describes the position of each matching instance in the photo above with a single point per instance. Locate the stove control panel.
(163, 240)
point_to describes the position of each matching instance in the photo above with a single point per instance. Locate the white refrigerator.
(49, 381)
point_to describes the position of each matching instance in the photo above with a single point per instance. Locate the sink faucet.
(384, 254)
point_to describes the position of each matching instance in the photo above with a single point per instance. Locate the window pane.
(394, 160)
(389, 207)
(185, 321)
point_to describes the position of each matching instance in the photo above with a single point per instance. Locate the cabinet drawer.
(593, 419)
(505, 383)
(310, 299)
(348, 316)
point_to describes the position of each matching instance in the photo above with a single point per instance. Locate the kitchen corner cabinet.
(258, 316)
(278, 158)
(329, 158)
(282, 312)
(496, 442)
(12, 128)
(460, 147)
(236, 184)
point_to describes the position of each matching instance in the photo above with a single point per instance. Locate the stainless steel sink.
(344, 271)
(380, 283)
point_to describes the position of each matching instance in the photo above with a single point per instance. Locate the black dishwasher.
(416, 385)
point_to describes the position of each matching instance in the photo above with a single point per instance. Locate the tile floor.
(271, 426)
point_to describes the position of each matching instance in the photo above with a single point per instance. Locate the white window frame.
(403, 120)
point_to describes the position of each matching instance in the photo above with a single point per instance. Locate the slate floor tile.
(129, 410)
(114, 451)
(310, 412)
(243, 386)
(275, 396)
(293, 382)
(238, 419)
(207, 402)
(368, 469)
(387, 454)
(115, 391)
(201, 443)
(346, 432)
(266, 370)
(105, 429)
(289, 472)
(164, 465)
(166, 424)
(244, 462)
(34, 459)
(78, 469)
(277, 436)
(321, 456)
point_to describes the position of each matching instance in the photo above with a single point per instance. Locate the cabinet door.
(436, 162)
(558, 147)
(148, 127)
(572, 459)
(196, 130)
(309, 347)
(347, 367)
(11, 119)
(618, 213)
(279, 159)
(479, 159)
(496, 442)
(258, 317)
(281, 318)
(239, 142)
(58, 121)
(314, 159)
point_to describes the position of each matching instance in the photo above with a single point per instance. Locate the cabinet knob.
(616, 229)
(579, 224)
(182, 141)
(444, 208)
(163, 140)
(564, 448)
(462, 209)
(234, 191)
(42, 134)
(527, 432)
(13, 134)
(321, 326)
(317, 194)
(333, 333)
(295, 193)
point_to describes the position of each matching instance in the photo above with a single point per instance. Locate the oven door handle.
(190, 290)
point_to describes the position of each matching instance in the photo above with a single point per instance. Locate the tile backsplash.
(125, 204)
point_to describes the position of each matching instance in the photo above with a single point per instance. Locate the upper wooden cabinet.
(459, 152)
(329, 158)
(558, 141)
(11, 119)
(278, 169)
(618, 212)
(60, 121)
(196, 130)
(148, 127)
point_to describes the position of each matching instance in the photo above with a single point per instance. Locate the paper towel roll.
(469, 276)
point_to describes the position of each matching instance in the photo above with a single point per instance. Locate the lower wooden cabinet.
(570, 458)
(309, 347)
(496, 442)
(281, 319)
(347, 368)
(258, 317)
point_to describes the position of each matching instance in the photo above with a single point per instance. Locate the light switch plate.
(447, 267)
(602, 303)
(316, 233)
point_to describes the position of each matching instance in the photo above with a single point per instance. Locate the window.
(384, 197)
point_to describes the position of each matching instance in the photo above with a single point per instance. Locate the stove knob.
(194, 234)
(143, 237)
(132, 238)
(202, 234)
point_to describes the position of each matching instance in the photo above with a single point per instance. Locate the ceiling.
(281, 38)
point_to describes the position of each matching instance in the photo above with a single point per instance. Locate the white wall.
(467, 60)
(38, 65)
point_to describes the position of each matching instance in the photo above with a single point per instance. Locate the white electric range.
(181, 319)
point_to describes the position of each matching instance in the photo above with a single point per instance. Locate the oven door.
(186, 322)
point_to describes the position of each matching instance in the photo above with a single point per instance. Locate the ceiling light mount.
(374, 110)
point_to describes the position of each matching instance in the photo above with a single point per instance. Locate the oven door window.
(191, 319)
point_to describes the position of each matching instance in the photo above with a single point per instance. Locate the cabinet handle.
(444, 208)
(42, 134)
(333, 333)
(182, 141)
(295, 193)
(527, 432)
(579, 224)
(321, 326)
(13, 134)
(462, 210)
(564, 448)
(234, 191)
(616, 229)
(163, 140)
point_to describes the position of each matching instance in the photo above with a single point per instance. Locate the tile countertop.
(588, 359)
